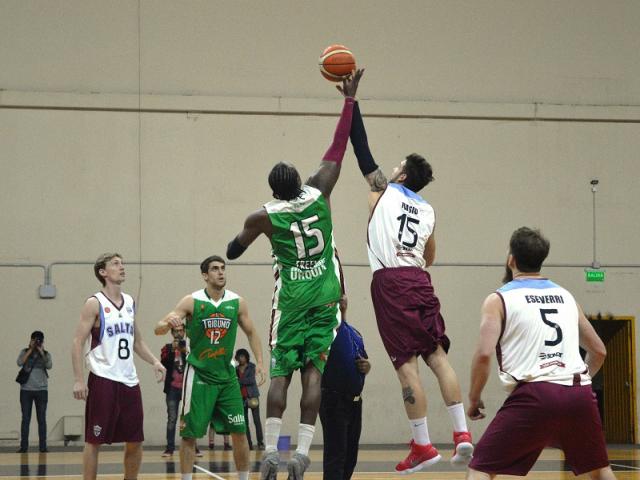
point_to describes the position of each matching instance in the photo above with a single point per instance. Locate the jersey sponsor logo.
(554, 362)
(216, 327)
(551, 356)
(547, 356)
(237, 419)
(210, 353)
(97, 429)
(122, 328)
(308, 269)
(129, 310)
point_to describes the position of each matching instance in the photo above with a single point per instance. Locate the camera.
(182, 344)
(38, 341)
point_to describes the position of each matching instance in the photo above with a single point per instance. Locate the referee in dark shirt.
(341, 405)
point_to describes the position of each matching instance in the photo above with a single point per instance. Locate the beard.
(508, 275)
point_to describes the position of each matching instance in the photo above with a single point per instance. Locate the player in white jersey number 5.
(401, 245)
(536, 329)
(114, 404)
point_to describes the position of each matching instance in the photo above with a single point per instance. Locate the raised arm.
(88, 317)
(249, 330)
(370, 170)
(175, 317)
(255, 224)
(325, 178)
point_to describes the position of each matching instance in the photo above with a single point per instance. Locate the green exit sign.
(594, 275)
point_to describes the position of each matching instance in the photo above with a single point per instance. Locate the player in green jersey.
(305, 310)
(210, 390)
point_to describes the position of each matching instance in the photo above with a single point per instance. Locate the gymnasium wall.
(150, 127)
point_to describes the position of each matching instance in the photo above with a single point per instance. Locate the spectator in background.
(35, 360)
(174, 357)
(341, 404)
(246, 372)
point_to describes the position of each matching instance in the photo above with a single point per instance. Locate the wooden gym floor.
(374, 463)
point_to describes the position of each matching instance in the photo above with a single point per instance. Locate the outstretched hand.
(349, 85)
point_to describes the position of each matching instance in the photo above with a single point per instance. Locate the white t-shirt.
(399, 227)
(110, 353)
(540, 337)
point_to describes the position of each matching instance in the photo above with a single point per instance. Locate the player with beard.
(536, 329)
(401, 245)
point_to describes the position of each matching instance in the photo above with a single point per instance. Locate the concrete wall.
(517, 105)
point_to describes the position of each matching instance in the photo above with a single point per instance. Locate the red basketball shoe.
(419, 457)
(464, 448)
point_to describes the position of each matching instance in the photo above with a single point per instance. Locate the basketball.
(336, 63)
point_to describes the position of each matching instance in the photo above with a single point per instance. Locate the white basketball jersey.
(110, 354)
(540, 340)
(399, 227)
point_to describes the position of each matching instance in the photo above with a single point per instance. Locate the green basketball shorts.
(302, 336)
(203, 403)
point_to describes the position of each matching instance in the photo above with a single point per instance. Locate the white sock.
(456, 412)
(243, 475)
(272, 428)
(187, 476)
(305, 437)
(419, 431)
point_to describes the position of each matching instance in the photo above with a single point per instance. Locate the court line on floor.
(624, 466)
(204, 470)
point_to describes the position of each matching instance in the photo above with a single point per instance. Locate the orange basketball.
(336, 63)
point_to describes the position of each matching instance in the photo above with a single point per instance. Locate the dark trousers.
(173, 398)
(255, 413)
(27, 399)
(341, 419)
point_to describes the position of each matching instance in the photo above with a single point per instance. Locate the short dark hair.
(204, 266)
(37, 335)
(284, 181)
(101, 263)
(242, 351)
(529, 249)
(418, 171)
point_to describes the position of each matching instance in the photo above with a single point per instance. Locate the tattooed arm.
(378, 183)
(372, 173)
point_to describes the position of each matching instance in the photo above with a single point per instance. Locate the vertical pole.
(594, 189)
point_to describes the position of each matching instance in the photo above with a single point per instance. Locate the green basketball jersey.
(305, 264)
(212, 335)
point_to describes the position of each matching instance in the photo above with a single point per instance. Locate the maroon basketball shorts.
(114, 412)
(537, 415)
(408, 313)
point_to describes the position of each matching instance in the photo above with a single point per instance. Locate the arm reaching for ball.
(325, 178)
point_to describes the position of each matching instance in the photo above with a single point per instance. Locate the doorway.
(615, 383)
